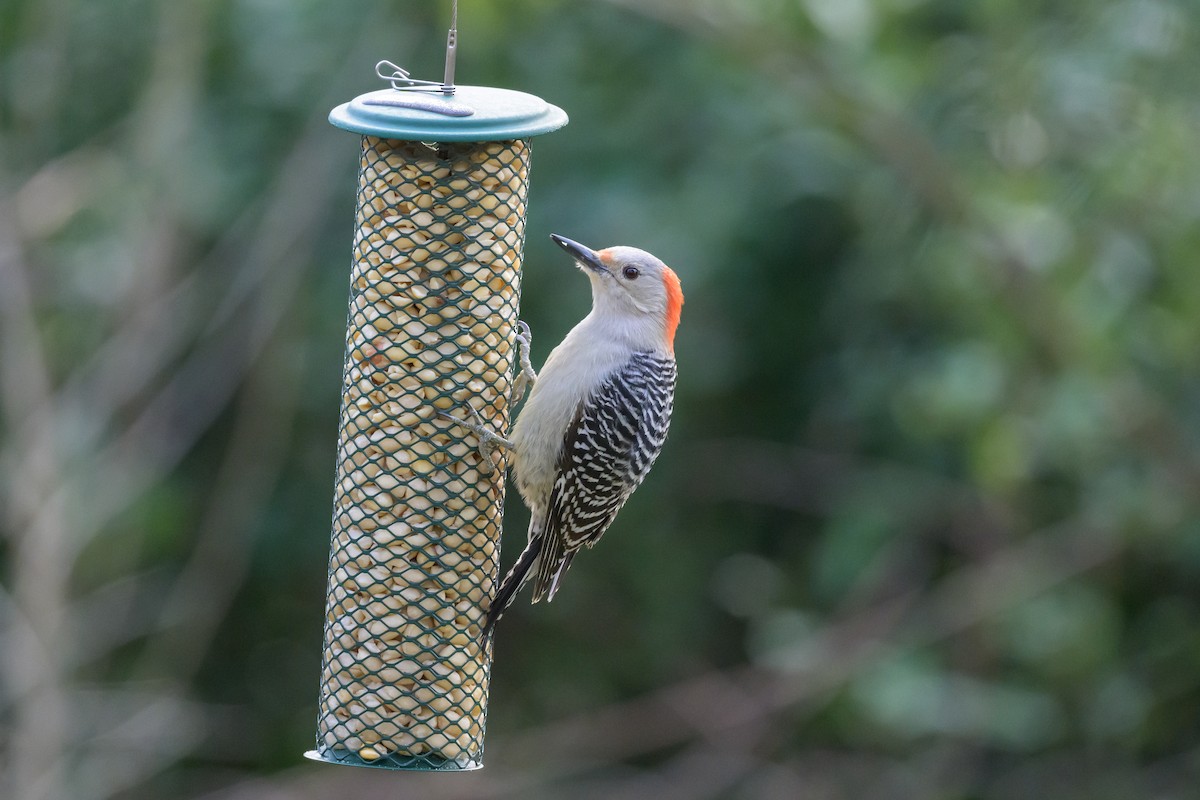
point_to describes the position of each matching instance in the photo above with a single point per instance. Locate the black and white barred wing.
(613, 441)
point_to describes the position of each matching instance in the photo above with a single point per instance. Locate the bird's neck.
(626, 328)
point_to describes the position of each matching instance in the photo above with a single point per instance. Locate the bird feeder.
(434, 290)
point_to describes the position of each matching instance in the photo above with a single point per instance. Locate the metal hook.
(400, 79)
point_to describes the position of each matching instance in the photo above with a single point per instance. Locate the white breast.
(581, 362)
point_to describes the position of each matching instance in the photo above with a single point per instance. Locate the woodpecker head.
(632, 287)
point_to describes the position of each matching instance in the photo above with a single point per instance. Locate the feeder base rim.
(385, 763)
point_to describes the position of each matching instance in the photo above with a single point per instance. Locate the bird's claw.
(524, 334)
(526, 375)
(489, 440)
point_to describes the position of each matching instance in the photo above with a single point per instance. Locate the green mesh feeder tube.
(415, 549)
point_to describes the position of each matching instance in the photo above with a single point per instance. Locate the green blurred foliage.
(932, 476)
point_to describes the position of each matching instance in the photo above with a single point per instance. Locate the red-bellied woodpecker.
(597, 416)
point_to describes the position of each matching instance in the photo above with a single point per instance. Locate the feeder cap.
(470, 114)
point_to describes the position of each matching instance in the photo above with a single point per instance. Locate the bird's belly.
(564, 383)
(537, 437)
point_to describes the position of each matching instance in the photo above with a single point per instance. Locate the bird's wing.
(611, 444)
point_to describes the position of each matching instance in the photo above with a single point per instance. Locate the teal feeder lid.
(469, 114)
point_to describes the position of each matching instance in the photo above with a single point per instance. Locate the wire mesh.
(415, 545)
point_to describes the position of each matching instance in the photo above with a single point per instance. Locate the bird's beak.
(584, 255)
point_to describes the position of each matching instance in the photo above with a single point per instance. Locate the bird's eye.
(630, 273)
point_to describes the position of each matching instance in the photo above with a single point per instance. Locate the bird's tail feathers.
(562, 570)
(512, 582)
(551, 566)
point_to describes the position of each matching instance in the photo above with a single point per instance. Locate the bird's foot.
(526, 376)
(489, 440)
